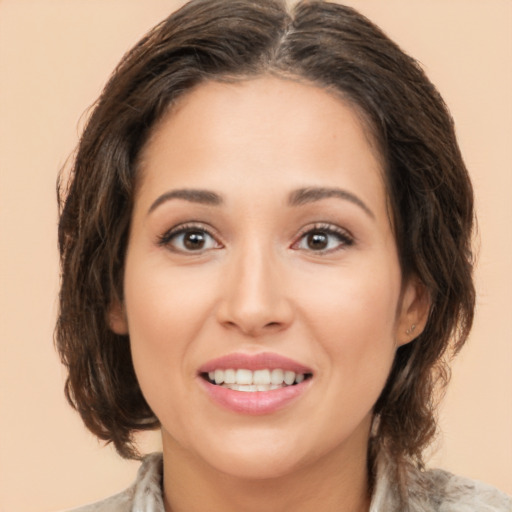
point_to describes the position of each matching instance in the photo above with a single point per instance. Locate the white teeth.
(251, 387)
(247, 388)
(243, 377)
(299, 378)
(259, 380)
(289, 378)
(277, 377)
(219, 376)
(229, 376)
(261, 377)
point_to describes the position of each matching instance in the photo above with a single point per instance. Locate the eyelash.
(167, 238)
(344, 238)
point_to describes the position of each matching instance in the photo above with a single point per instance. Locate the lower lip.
(255, 402)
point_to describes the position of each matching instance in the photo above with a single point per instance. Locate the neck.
(337, 482)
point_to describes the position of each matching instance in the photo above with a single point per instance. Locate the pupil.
(317, 241)
(194, 240)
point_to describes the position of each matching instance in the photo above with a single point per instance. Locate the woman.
(266, 253)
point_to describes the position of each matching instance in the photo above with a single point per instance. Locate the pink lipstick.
(254, 384)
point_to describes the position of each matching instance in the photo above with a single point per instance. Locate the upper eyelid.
(346, 238)
(326, 226)
(201, 226)
(188, 226)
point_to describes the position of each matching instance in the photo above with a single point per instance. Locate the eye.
(189, 239)
(323, 239)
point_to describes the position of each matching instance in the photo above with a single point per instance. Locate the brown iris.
(317, 241)
(194, 240)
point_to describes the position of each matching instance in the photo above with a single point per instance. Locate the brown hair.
(333, 46)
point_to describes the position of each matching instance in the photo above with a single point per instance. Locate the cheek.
(349, 302)
(163, 304)
(352, 317)
(165, 310)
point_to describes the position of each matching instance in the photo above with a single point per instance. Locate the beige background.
(55, 55)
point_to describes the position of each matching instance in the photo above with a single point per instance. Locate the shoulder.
(144, 494)
(121, 502)
(406, 488)
(459, 494)
(442, 491)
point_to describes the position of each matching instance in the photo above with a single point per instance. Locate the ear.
(116, 318)
(413, 311)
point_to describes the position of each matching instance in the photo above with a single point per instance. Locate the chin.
(257, 464)
(245, 453)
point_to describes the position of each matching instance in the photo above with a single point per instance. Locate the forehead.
(256, 131)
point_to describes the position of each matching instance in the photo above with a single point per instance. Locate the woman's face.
(261, 242)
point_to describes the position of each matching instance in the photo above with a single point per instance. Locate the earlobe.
(414, 311)
(116, 317)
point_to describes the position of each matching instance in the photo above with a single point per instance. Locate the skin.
(258, 285)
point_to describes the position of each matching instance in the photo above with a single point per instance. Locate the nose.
(254, 294)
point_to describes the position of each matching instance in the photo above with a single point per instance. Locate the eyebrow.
(192, 195)
(313, 194)
(296, 198)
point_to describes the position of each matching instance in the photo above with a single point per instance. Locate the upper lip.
(261, 361)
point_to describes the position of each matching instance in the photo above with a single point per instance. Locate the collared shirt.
(426, 491)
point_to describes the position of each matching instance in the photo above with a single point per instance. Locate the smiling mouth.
(258, 380)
